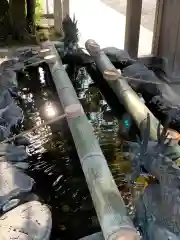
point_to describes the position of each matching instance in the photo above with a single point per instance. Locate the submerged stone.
(5, 99)
(28, 221)
(13, 182)
(8, 79)
(12, 115)
(10, 204)
(22, 165)
(31, 197)
(13, 153)
(22, 141)
(156, 232)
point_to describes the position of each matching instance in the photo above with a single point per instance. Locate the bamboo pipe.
(108, 203)
(95, 236)
(126, 95)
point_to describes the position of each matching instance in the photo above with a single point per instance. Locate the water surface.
(54, 163)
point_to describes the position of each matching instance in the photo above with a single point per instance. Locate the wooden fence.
(166, 35)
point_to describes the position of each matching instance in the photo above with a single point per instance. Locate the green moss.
(38, 11)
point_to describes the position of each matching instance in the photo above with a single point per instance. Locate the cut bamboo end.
(126, 235)
(45, 50)
(92, 46)
(50, 57)
(111, 75)
(74, 110)
(173, 135)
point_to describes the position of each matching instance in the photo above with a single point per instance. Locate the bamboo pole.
(66, 7)
(125, 93)
(157, 27)
(95, 236)
(58, 16)
(108, 203)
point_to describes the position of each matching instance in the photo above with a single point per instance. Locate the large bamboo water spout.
(126, 95)
(107, 200)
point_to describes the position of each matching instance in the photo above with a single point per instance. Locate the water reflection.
(106, 128)
(50, 110)
(54, 162)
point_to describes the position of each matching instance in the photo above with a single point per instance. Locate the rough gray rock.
(5, 99)
(22, 165)
(158, 207)
(7, 79)
(29, 221)
(95, 236)
(22, 141)
(11, 204)
(116, 54)
(10, 114)
(13, 182)
(149, 80)
(12, 153)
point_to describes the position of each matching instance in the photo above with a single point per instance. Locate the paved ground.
(104, 21)
(148, 10)
(106, 25)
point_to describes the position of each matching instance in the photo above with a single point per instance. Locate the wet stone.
(13, 153)
(116, 54)
(22, 165)
(30, 220)
(10, 113)
(65, 208)
(13, 182)
(22, 141)
(31, 197)
(8, 79)
(10, 204)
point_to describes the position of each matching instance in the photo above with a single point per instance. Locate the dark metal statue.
(70, 34)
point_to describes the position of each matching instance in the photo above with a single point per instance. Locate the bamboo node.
(111, 75)
(74, 110)
(92, 46)
(126, 235)
(45, 50)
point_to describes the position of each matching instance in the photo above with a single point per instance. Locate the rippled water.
(54, 163)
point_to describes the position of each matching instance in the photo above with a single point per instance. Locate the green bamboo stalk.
(108, 203)
(126, 95)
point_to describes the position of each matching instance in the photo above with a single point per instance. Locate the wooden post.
(133, 21)
(157, 26)
(58, 16)
(65, 7)
(166, 40)
(47, 7)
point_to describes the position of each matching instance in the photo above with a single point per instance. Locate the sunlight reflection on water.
(54, 162)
